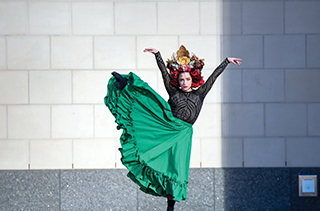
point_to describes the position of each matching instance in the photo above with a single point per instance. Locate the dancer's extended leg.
(121, 81)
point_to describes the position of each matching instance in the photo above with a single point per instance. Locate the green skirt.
(156, 146)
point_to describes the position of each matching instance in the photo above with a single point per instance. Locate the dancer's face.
(185, 81)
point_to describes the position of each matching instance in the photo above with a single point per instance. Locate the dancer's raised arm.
(151, 50)
(234, 60)
(162, 67)
(205, 88)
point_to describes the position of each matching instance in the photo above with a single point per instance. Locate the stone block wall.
(56, 58)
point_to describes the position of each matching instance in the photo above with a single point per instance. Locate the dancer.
(157, 135)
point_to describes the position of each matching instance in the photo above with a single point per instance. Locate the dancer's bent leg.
(121, 81)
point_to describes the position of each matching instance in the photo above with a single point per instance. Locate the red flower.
(194, 73)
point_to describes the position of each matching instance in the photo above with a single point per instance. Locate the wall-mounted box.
(308, 186)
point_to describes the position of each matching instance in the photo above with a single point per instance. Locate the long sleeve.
(165, 75)
(205, 88)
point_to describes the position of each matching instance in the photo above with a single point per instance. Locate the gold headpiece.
(183, 52)
(182, 62)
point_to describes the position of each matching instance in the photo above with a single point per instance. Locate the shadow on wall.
(226, 198)
(249, 139)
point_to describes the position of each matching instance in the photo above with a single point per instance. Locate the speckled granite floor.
(209, 189)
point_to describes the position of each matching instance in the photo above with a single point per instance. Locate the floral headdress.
(182, 62)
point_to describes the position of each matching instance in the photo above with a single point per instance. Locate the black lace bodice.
(187, 105)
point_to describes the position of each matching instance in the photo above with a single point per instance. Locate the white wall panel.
(263, 17)
(302, 17)
(219, 17)
(314, 119)
(280, 49)
(90, 86)
(49, 18)
(104, 121)
(13, 18)
(231, 84)
(135, 18)
(263, 85)
(3, 53)
(208, 123)
(72, 52)
(313, 51)
(264, 152)
(119, 164)
(286, 120)
(94, 153)
(14, 87)
(72, 121)
(28, 52)
(178, 18)
(303, 85)
(3, 122)
(115, 52)
(249, 48)
(28, 121)
(303, 152)
(195, 159)
(14, 154)
(221, 152)
(243, 120)
(92, 18)
(50, 87)
(51, 154)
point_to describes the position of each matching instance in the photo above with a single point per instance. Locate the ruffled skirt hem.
(155, 145)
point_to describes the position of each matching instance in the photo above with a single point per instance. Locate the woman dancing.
(157, 135)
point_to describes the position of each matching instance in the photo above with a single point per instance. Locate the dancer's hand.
(234, 60)
(151, 50)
